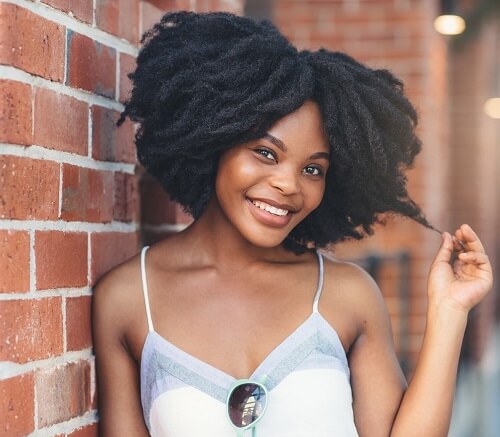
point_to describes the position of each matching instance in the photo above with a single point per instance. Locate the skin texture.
(255, 293)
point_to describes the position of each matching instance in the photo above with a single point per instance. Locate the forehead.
(302, 129)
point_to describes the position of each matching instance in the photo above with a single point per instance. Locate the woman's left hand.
(465, 283)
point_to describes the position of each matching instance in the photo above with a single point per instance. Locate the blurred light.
(492, 107)
(449, 24)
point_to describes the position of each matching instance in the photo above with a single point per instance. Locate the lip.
(267, 218)
(274, 203)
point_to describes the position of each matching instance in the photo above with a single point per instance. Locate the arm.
(382, 405)
(117, 371)
(426, 406)
(378, 384)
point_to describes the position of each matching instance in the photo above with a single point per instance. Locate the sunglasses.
(246, 404)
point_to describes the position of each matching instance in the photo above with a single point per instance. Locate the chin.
(267, 244)
(264, 240)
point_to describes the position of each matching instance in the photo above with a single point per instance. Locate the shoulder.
(349, 288)
(345, 273)
(349, 280)
(118, 298)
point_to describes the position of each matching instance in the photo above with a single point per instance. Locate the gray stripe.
(159, 368)
(190, 378)
(295, 358)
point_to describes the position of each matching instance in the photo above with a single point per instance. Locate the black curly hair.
(207, 82)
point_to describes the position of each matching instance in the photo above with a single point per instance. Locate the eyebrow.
(281, 145)
(278, 143)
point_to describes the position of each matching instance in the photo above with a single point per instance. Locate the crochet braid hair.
(207, 82)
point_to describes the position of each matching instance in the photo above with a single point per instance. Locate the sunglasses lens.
(246, 404)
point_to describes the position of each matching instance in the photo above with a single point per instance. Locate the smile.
(269, 208)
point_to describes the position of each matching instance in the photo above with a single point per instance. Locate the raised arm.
(452, 292)
(120, 413)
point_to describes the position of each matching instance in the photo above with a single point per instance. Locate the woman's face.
(267, 187)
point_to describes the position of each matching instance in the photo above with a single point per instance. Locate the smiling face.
(267, 187)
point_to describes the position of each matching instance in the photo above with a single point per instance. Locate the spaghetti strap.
(145, 287)
(320, 283)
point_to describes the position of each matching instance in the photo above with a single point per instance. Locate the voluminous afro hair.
(207, 82)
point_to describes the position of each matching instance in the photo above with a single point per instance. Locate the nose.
(285, 180)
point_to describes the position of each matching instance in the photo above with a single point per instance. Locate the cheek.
(245, 171)
(235, 173)
(315, 196)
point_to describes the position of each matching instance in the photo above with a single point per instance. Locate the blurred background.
(74, 203)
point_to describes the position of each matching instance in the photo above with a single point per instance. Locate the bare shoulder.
(118, 298)
(351, 293)
(119, 309)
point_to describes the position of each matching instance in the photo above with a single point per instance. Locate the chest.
(234, 324)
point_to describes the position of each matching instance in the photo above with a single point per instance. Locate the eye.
(313, 170)
(266, 153)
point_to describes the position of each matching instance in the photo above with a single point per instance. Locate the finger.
(446, 249)
(474, 257)
(459, 245)
(470, 238)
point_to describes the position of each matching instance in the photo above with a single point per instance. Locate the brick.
(163, 5)
(61, 259)
(127, 65)
(31, 43)
(82, 9)
(14, 261)
(126, 206)
(32, 329)
(87, 194)
(231, 6)
(15, 112)
(17, 406)
(156, 206)
(63, 392)
(110, 249)
(218, 5)
(61, 122)
(109, 142)
(78, 328)
(33, 188)
(86, 431)
(91, 65)
(152, 11)
(171, 5)
(119, 17)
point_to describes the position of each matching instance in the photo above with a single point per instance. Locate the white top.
(307, 376)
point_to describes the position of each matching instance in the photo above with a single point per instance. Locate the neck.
(214, 240)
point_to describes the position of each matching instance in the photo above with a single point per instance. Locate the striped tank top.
(307, 376)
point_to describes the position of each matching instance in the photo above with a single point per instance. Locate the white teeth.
(269, 208)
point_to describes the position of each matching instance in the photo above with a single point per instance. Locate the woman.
(238, 325)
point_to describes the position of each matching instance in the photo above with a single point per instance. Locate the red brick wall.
(68, 202)
(69, 196)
